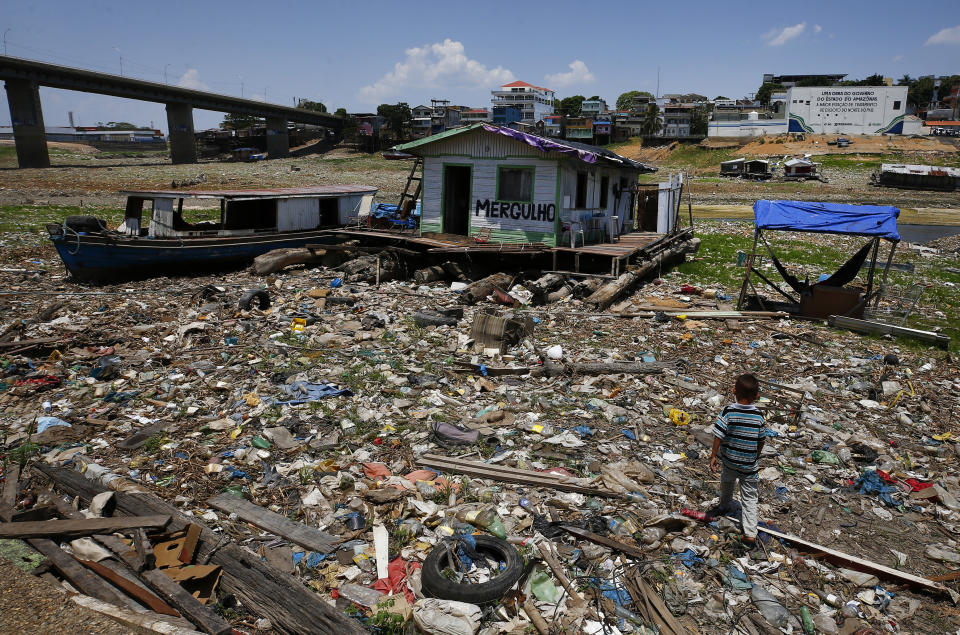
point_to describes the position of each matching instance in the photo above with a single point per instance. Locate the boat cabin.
(502, 185)
(160, 213)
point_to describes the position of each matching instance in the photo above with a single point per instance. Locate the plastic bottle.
(696, 514)
(635, 497)
(830, 599)
(426, 489)
(490, 520)
(807, 621)
(651, 535)
(544, 429)
(774, 612)
(618, 526)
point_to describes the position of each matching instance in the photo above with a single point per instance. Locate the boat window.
(253, 214)
(133, 216)
(197, 218)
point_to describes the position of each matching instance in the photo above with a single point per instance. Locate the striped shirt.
(740, 429)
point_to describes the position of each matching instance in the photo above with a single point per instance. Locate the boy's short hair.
(747, 387)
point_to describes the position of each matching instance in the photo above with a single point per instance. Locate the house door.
(456, 199)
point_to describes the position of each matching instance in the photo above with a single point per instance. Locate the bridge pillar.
(278, 139)
(183, 144)
(26, 116)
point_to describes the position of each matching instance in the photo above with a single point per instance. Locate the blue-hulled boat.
(155, 239)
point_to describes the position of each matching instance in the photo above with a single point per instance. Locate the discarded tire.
(432, 318)
(436, 585)
(261, 295)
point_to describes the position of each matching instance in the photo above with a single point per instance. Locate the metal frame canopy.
(872, 221)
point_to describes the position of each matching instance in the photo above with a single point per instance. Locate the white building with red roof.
(535, 102)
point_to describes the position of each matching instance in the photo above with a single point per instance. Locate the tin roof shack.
(518, 187)
(801, 170)
(917, 177)
(753, 169)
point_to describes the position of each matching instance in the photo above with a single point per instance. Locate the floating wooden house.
(918, 177)
(506, 186)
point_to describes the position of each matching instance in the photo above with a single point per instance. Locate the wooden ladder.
(407, 196)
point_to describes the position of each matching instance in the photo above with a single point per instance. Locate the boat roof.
(325, 191)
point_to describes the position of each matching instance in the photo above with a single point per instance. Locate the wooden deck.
(628, 248)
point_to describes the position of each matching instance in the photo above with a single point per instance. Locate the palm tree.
(651, 121)
(906, 80)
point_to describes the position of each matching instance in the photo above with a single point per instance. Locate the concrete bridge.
(23, 79)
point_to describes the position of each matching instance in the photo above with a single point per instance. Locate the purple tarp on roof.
(543, 144)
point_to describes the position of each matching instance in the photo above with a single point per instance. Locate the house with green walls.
(503, 185)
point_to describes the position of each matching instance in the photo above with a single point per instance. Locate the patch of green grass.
(32, 218)
(695, 157)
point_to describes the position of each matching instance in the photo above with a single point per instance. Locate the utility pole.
(241, 86)
(5, 41)
(658, 82)
(121, 59)
(165, 73)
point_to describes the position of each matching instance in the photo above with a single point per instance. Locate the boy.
(738, 436)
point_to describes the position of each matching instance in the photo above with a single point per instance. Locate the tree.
(873, 80)
(768, 88)
(596, 98)
(397, 116)
(813, 82)
(570, 106)
(718, 97)
(116, 125)
(349, 131)
(906, 80)
(240, 121)
(625, 100)
(651, 121)
(699, 120)
(341, 112)
(306, 104)
(920, 92)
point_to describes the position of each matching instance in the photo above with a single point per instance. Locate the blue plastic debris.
(44, 423)
(304, 391)
(689, 558)
(629, 434)
(336, 283)
(583, 431)
(870, 483)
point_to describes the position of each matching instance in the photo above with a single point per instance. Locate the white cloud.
(945, 36)
(897, 58)
(191, 79)
(578, 74)
(439, 65)
(779, 37)
(817, 28)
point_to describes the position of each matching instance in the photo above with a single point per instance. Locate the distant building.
(534, 102)
(676, 120)
(554, 126)
(504, 115)
(475, 115)
(593, 107)
(580, 129)
(87, 134)
(788, 81)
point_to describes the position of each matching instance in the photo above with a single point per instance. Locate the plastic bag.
(446, 617)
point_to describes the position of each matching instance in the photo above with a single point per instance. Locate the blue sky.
(357, 55)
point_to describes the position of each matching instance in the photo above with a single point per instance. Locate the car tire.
(436, 585)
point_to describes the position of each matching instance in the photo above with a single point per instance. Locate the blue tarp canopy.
(828, 218)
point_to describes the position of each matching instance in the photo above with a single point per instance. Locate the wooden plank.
(11, 485)
(297, 533)
(509, 475)
(83, 579)
(140, 594)
(190, 544)
(862, 565)
(616, 545)
(77, 528)
(262, 588)
(189, 606)
(878, 328)
(148, 622)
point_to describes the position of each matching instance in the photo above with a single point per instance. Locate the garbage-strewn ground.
(865, 463)
(142, 353)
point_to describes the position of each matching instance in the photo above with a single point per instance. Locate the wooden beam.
(190, 607)
(879, 328)
(509, 475)
(616, 545)
(860, 564)
(135, 591)
(80, 577)
(77, 528)
(297, 533)
(148, 622)
(263, 589)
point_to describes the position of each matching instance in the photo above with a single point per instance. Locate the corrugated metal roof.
(904, 168)
(280, 192)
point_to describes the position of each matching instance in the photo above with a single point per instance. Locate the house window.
(604, 187)
(580, 200)
(896, 105)
(515, 184)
